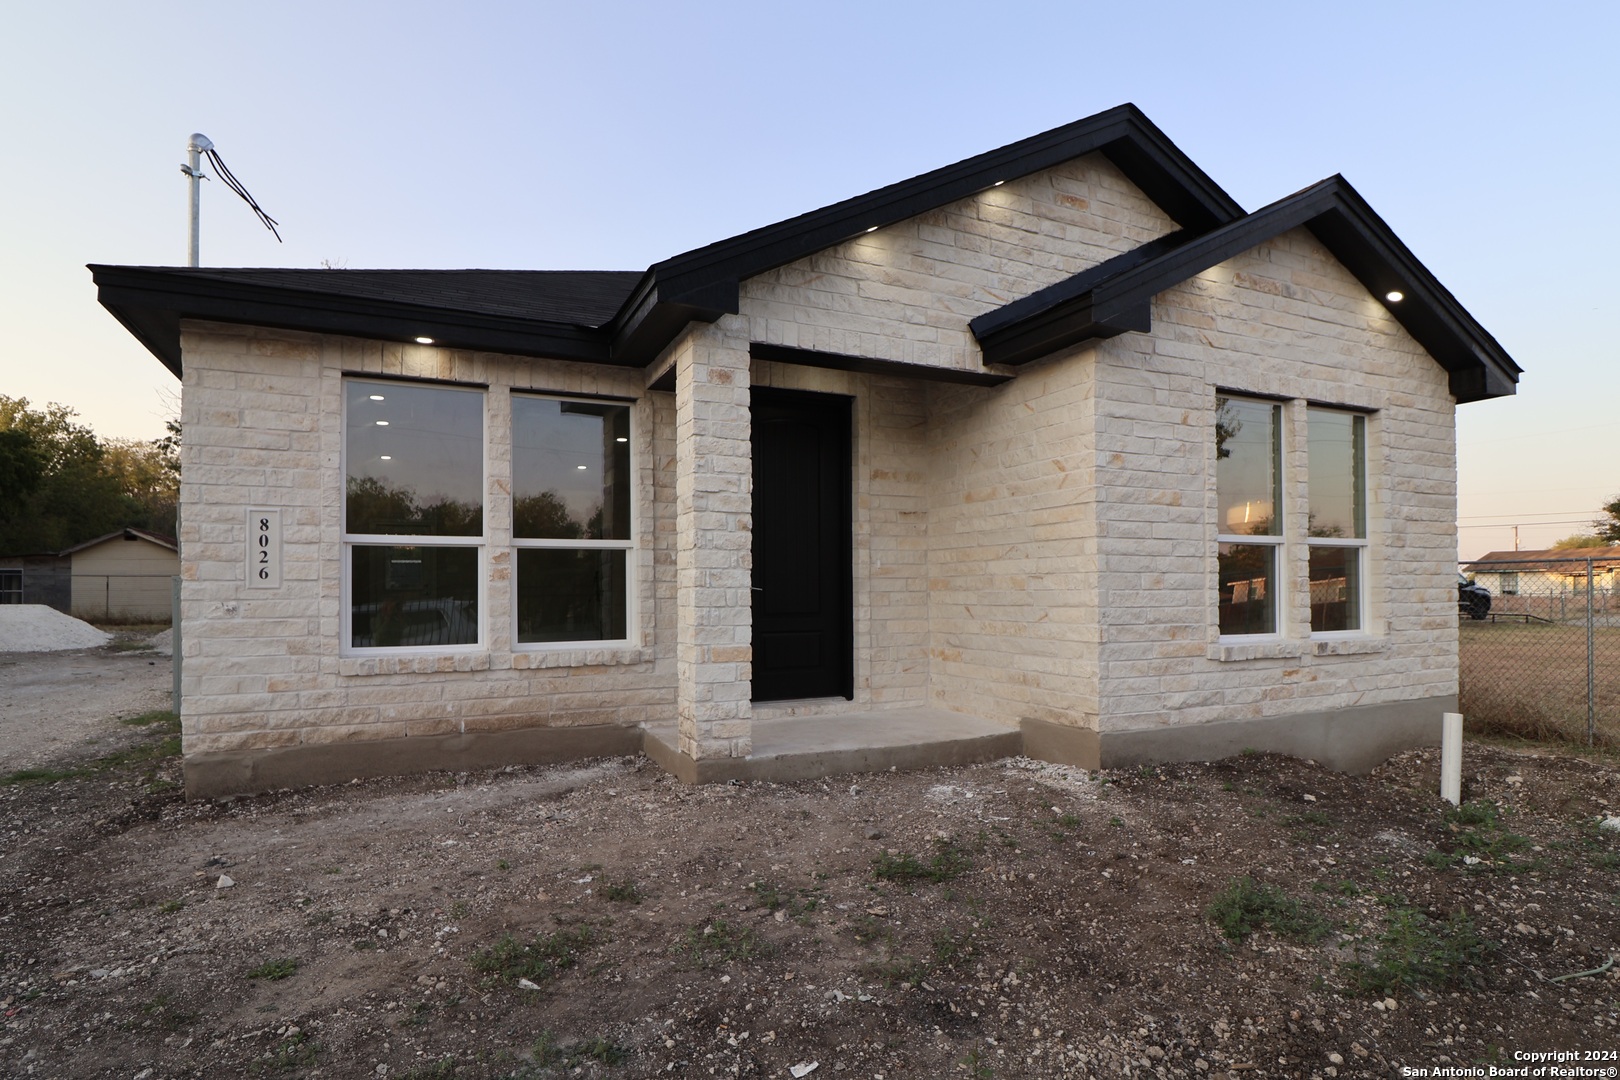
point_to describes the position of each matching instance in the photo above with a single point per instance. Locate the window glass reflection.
(570, 594)
(1248, 574)
(1247, 452)
(1337, 486)
(570, 470)
(414, 458)
(404, 596)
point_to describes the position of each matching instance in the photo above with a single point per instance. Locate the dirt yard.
(1257, 917)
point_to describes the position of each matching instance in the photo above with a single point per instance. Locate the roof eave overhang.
(1116, 294)
(151, 304)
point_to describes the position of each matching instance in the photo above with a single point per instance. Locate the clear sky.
(596, 135)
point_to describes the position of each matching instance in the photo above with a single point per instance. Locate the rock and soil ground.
(1255, 917)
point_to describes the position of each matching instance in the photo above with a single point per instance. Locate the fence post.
(174, 641)
(1591, 661)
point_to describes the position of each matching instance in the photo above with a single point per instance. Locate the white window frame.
(351, 541)
(1362, 545)
(630, 546)
(1278, 542)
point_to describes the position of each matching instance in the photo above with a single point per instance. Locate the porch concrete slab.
(807, 747)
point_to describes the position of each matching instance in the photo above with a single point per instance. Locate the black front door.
(803, 554)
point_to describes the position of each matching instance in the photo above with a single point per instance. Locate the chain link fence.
(1540, 649)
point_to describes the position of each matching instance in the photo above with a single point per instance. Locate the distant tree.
(60, 485)
(22, 466)
(544, 516)
(1607, 527)
(1580, 540)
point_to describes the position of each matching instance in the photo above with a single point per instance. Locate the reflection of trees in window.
(375, 507)
(1227, 426)
(547, 515)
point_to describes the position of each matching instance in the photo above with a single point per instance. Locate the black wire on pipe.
(236, 185)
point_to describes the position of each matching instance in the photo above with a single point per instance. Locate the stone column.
(713, 546)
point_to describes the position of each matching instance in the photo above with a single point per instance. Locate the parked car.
(1473, 600)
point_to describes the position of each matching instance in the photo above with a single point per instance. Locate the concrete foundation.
(807, 747)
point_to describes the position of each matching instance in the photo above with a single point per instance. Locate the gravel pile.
(163, 644)
(37, 628)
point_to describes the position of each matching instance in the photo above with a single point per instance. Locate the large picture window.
(1337, 530)
(1248, 484)
(571, 528)
(413, 514)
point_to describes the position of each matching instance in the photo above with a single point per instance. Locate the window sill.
(1227, 651)
(1355, 646)
(413, 665)
(600, 656)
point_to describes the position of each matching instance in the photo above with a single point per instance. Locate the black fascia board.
(1338, 216)
(708, 278)
(150, 302)
(1061, 314)
(832, 361)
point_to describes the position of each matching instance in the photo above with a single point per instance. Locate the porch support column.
(713, 545)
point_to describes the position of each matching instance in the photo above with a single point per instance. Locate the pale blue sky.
(608, 136)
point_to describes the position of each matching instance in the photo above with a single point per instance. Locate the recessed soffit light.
(382, 423)
(388, 457)
(998, 183)
(582, 467)
(621, 438)
(424, 341)
(1394, 296)
(872, 229)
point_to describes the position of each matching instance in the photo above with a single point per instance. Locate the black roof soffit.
(151, 301)
(1112, 296)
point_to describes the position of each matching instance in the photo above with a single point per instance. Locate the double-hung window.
(1248, 484)
(413, 515)
(571, 527)
(1337, 531)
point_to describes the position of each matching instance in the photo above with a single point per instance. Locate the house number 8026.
(264, 549)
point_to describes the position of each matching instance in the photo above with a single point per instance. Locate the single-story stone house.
(1054, 450)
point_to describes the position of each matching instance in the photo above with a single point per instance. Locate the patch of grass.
(1246, 906)
(169, 907)
(566, 1054)
(620, 892)
(364, 944)
(719, 942)
(798, 904)
(1116, 822)
(275, 970)
(166, 717)
(949, 860)
(1416, 952)
(541, 958)
(443, 1069)
(162, 1013)
(502, 864)
(1476, 830)
(294, 1055)
(43, 776)
(460, 909)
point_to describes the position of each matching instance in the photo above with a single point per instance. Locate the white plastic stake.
(1451, 757)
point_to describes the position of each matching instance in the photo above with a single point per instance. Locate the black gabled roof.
(625, 318)
(1114, 297)
(703, 283)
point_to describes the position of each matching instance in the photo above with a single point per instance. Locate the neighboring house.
(125, 574)
(36, 579)
(1057, 441)
(1543, 582)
